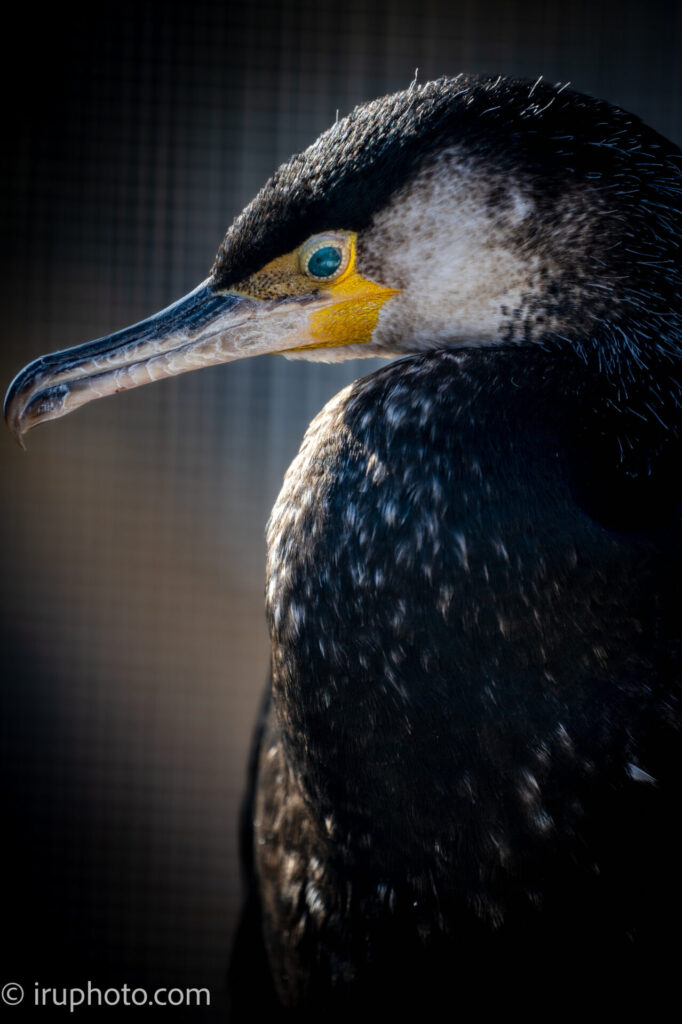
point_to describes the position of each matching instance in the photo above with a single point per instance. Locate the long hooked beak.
(205, 327)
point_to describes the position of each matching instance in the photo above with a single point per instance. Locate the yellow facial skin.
(355, 302)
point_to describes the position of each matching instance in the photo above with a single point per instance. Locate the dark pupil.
(324, 262)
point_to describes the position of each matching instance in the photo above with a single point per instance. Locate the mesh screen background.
(135, 649)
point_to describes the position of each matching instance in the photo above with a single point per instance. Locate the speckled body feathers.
(468, 669)
(471, 761)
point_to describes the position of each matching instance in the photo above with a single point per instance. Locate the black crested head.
(465, 213)
(547, 137)
(594, 246)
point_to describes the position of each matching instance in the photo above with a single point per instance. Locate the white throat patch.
(458, 257)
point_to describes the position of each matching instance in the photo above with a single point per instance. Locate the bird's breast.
(444, 617)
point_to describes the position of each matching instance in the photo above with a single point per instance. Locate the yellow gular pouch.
(324, 268)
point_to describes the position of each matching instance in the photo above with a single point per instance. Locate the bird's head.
(465, 212)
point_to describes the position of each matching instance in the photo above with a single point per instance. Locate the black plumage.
(467, 777)
(471, 766)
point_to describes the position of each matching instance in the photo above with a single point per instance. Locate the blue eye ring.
(325, 261)
(325, 258)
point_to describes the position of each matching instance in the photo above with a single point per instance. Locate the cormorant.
(467, 780)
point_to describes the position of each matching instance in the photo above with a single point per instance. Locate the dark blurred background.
(135, 649)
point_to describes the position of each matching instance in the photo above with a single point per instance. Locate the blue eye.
(324, 262)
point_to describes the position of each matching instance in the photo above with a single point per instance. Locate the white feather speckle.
(638, 774)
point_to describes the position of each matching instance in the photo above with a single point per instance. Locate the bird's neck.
(621, 404)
